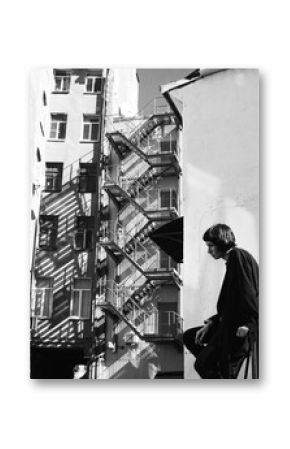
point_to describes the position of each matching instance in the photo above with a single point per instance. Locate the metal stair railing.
(120, 298)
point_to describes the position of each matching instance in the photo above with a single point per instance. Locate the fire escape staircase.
(120, 304)
(120, 196)
(124, 145)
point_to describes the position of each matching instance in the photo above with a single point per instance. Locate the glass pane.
(98, 85)
(53, 129)
(76, 303)
(89, 85)
(92, 183)
(38, 300)
(83, 184)
(62, 130)
(57, 83)
(46, 304)
(174, 199)
(89, 240)
(66, 83)
(165, 198)
(82, 283)
(164, 259)
(86, 133)
(86, 301)
(79, 240)
(95, 131)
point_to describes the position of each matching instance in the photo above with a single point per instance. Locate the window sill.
(60, 92)
(55, 140)
(73, 317)
(52, 190)
(92, 93)
(89, 141)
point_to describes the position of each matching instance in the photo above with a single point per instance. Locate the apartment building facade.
(105, 302)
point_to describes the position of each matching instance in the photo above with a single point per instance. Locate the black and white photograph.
(144, 223)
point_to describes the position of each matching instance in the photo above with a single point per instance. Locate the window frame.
(172, 198)
(74, 289)
(84, 230)
(56, 177)
(59, 122)
(88, 177)
(65, 82)
(90, 120)
(43, 299)
(94, 79)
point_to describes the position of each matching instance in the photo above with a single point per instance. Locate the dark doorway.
(54, 363)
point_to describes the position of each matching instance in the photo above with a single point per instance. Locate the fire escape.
(132, 184)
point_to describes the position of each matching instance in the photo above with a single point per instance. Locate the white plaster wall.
(125, 91)
(220, 182)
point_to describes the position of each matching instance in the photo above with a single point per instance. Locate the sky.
(151, 79)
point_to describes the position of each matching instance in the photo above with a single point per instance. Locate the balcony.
(121, 245)
(165, 326)
(157, 204)
(117, 300)
(152, 263)
(148, 323)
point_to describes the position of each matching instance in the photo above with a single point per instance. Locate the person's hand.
(242, 331)
(199, 337)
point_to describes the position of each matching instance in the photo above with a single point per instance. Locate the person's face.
(214, 251)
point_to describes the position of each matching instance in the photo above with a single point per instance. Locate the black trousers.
(212, 361)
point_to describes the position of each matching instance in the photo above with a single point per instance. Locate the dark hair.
(220, 235)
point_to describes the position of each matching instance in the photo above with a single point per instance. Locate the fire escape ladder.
(148, 127)
(117, 300)
(124, 146)
(120, 252)
(120, 196)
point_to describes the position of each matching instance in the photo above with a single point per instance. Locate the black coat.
(238, 300)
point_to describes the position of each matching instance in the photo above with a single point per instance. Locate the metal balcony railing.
(147, 196)
(148, 322)
(169, 323)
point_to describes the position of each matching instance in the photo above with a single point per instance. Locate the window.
(58, 126)
(88, 177)
(93, 84)
(167, 317)
(42, 298)
(53, 176)
(168, 198)
(91, 129)
(61, 81)
(48, 232)
(80, 306)
(166, 262)
(84, 233)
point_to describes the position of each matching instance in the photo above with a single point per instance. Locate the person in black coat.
(222, 343)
